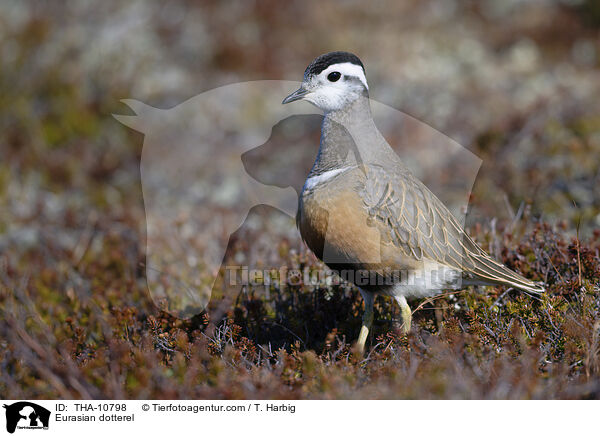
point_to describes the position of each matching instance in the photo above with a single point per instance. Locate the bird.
(367, 217)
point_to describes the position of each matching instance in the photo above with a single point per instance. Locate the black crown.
(327, 59)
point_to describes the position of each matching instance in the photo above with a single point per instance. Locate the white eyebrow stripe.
(349, 69)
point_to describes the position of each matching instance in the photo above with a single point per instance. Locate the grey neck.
(350, 138)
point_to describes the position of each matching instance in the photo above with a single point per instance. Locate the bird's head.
(332, 81)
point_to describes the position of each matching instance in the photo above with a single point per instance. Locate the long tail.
(488, 271)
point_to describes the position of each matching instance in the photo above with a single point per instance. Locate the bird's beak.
(299, 94)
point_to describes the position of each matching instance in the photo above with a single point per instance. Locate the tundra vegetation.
(76, 318)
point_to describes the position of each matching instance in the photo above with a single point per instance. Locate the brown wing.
(422, 227)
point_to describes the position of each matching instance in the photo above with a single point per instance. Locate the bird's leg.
(406, 313)
(367, 320)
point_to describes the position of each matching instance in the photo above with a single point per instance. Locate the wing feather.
(422, 227)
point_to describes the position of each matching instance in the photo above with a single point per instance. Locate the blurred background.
(515, 82)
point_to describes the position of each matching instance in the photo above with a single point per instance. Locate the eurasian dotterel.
(367, 216)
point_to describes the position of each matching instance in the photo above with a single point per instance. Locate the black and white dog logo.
(26, 415)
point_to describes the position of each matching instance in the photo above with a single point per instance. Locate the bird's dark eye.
(334, 77)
